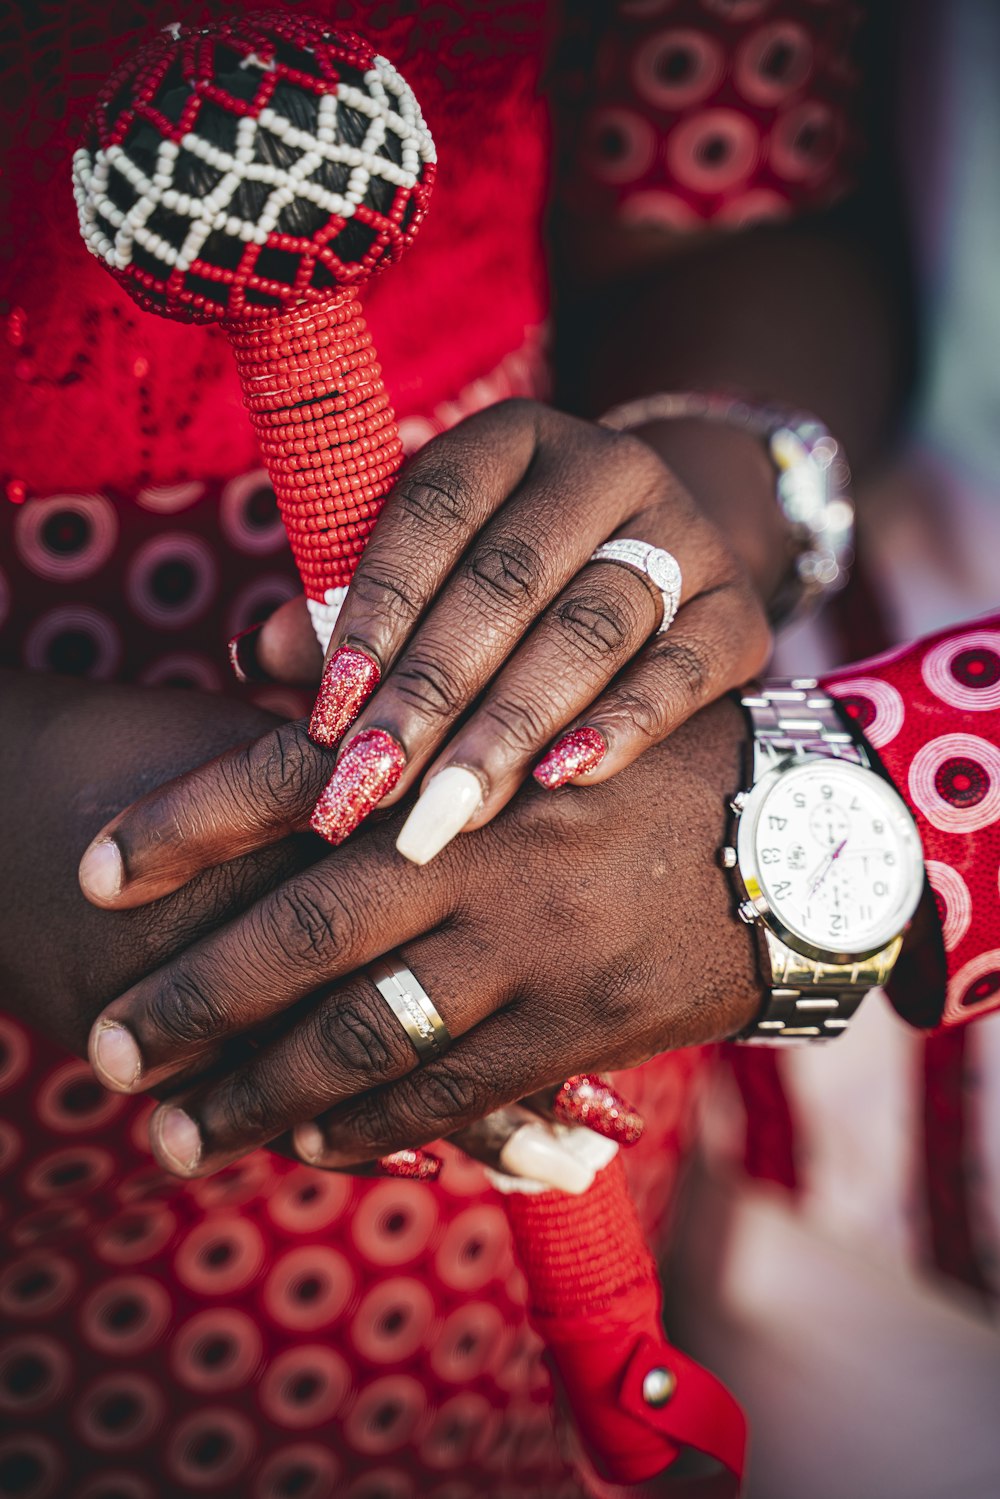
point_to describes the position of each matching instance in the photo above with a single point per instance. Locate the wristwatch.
(826, 861)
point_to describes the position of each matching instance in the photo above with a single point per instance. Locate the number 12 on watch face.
(835, 857)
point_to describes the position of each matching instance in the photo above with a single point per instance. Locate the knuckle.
(434, 499)
(385, 597)
(183, 1012)
(518, 727)
(286, 765)
(246, 1106)
(448, 1094)
(598, 626)
(644, 714)
(647, 475)
(428, 685)
(352, 1037)
(303, 924)
(506, 570)
(686, 661)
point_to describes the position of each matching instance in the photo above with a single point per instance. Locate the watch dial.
(837, 856)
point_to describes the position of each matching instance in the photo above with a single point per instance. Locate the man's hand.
(579, 932)
(70, 753)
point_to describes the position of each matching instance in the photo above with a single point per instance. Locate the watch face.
(831, 858)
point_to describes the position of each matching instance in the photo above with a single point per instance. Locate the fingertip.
(446, 805)
(102, 872)
(308, 1144)
(574, 754)
(114, 1056)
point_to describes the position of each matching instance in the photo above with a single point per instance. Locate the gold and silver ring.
(412, 1006)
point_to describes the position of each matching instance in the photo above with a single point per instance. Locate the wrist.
(713, 956)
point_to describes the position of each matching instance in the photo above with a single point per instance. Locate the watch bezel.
(748, 866)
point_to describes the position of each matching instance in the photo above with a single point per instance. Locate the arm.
(932, 712)
(659, 284)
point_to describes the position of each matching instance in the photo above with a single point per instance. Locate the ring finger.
(599, 625)
(344, 1044)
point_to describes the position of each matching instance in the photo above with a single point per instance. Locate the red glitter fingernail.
(369, 768)
(412, 1165)
(242, 652)
(579, 750)
(592, 1102)
(349, 679)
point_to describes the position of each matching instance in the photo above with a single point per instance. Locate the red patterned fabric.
(932, 711)
(273, 1331)
(732, 112)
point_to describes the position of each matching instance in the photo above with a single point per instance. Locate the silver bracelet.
(813, 484)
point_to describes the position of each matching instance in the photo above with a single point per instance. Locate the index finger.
(246, 799)
(444, 496)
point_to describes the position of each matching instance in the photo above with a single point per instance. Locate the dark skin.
(202, 975)
(704, 340)
(69, 751)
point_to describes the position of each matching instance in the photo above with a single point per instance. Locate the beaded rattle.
(253, 173)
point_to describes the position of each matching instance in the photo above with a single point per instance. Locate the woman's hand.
(575, 934)
(476, 631)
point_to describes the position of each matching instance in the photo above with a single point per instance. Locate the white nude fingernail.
(115, 1057)
(536, 1152)
(447, 802)
(101, 870)
(592, 1150)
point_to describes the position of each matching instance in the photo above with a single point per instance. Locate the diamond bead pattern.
(229, 173)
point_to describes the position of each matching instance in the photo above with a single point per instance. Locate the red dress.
(276, 1331)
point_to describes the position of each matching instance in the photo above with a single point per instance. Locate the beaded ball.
(230, 170)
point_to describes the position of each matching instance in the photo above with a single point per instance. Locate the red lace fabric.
(272, 1332)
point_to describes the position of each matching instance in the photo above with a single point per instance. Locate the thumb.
(287, 648)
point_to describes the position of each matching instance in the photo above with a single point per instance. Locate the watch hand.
(825, 868)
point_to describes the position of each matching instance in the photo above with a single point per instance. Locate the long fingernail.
(242, 653)
(412, 1165)
(115, 1057)
(592, 1102)
(102, 872)
(368, 769)
(534, 1151)
(444, 807)
(179, 1139)
(349, 679)
(576, 752)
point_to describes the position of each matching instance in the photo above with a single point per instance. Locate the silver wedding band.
(412, 1006)
(660, 567)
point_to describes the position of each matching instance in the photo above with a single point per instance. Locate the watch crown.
(747, 911)
(727, 857)
(739, 801)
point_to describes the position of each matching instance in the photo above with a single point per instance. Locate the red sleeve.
(932, 713)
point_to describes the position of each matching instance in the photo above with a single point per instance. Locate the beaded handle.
(323, 421)
(252, 174)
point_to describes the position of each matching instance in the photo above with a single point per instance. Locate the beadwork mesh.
(270, 160)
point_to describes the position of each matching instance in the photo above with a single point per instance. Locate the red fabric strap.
(595, 1299)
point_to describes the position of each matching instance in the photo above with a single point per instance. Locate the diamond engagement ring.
(659, 566)
(412, 1006)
